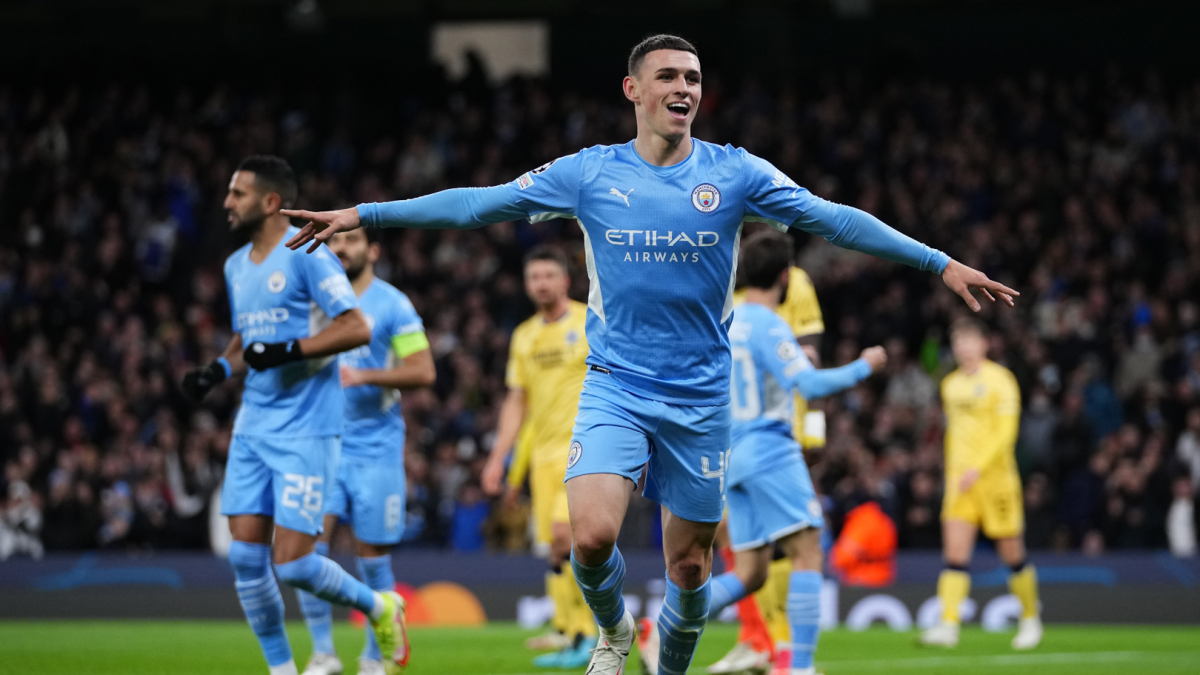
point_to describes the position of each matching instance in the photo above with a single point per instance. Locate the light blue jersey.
(768, 365)
(288, 296)
(661, 246)
(374, 425)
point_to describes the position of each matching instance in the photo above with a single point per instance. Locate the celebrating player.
(661, 217)
(983, 410)
(369, 490)
(765, 634)
(294, 314)
(545, 375)
(771, 496)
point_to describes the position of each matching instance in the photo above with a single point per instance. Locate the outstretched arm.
(812, 383)
(855, 229)
(552, 188)
(777, 199)
(456, 209)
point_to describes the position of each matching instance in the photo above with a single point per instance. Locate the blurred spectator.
(20, 523)
(1181, 521)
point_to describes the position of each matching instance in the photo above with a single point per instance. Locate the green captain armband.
(410, 343)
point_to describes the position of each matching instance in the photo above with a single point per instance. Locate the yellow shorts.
(549, 496)
(994, 504)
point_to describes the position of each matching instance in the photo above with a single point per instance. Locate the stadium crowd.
(1082, 191)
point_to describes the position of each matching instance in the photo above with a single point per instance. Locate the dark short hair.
(655, 43)
(550, 253)
(273, 174)
(765, 256)
(968, 324)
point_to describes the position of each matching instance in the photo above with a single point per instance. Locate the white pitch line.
(995, 661)
(1003, 660)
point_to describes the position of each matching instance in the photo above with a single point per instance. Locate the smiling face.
(666, 92)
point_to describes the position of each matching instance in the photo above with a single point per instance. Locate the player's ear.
(272, 202)
(373, 252)
(630, 86)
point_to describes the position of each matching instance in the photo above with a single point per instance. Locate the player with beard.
(369, 490)
(661, 217)
(292, 314)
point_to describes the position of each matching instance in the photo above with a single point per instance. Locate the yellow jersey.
(802, 313)
(547, 361)
(983, 413)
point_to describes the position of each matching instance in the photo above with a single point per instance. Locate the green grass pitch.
(203, 648)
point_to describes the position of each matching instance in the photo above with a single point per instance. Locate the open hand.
(321, 226)
(961, 279)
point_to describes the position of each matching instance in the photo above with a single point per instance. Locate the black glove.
(198, 381)
(264, 355)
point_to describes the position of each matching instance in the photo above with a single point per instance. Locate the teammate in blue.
(292, 314)
(661, 217)
(369, 490)
(770, 494)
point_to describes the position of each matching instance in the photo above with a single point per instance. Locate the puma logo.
(625, 197)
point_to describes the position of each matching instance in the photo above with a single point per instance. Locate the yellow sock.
(778, 578)
(555, 589)
(953, 587)
(580, 620)
(1023, 584)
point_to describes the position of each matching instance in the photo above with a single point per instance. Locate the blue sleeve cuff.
(224, 363)
(368, 215)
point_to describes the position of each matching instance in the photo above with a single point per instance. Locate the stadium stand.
(1081, 190)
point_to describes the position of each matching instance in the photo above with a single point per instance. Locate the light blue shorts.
(683, 448)
(283, 477)
(768, 505)
(369, 495)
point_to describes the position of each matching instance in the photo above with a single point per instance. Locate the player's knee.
(687, 573)
(593, 547)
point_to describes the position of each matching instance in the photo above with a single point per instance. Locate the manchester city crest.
(706, 198)
(575, 454)
(276, 281)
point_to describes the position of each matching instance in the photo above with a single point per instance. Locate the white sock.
(617, 631)
(288, 668)
(376, 611)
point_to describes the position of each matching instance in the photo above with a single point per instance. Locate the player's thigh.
(247, 489)
(958, 540)
(752, 567)
(545, 486)
(804, 549)
(376, 490)
(1003, 511)
(690, 453)
(304, 470)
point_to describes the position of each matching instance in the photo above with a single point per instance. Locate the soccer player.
(546, 366)
(983, 408)
(765, 633)
(292, 314)
(770, 494)
(661, 217)
(369, 490)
